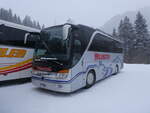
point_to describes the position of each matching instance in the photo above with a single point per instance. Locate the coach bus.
(69, 57)
(15, 56)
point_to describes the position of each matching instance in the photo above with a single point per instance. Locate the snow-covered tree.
(15, 18)
(27, 21)
(43, 26)
(120, 30)
(38, 25)
(114, 34)
(8, 15)
(19, 20)
(141, 30)
(142, 37)
(127, 35)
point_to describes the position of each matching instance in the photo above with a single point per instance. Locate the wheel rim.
(90, 79)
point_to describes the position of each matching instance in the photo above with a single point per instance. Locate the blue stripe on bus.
(69, 81)
(107, 71)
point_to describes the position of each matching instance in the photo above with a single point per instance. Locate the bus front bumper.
(52, 85)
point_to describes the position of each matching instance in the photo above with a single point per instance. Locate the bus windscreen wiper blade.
(44, 58)
(54, 60)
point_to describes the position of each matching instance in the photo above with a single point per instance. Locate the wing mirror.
(66, 29)
(31, 35)
(26, 37)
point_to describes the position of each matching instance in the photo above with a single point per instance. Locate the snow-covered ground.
(127, 92)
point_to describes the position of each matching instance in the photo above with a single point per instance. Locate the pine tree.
(142, 36)
(141, 30)
(120, 30)
(127, 35)
(10, 15)
(34, 24)
(27, 21)
(114, 34)
(15, 18)
(38, 25)
(19, 20)
(43, 26)
(4, 14)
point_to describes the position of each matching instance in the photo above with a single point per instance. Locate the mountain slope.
(114, 21)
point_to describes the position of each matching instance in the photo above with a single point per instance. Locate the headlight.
(40, 73)
(61, 75)
(56, 75)
(35, 72)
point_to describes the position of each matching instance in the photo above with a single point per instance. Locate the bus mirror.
(26, 37)
(66, 29)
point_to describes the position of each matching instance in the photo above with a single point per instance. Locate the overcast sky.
(90, 12)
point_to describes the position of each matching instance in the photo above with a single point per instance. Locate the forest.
(136, 39)
(8, 15)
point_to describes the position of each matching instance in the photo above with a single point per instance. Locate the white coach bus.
(15, 56)
(69, 57)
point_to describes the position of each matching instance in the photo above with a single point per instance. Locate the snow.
(127, 92)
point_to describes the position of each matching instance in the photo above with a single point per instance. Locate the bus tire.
(90, 79)
(116, 70)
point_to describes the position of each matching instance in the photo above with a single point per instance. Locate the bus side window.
(14, 37)
(119, 47)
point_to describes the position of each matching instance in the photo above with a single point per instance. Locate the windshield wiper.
(44, 58)
(54, 60)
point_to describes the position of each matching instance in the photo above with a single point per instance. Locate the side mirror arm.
(26, 37)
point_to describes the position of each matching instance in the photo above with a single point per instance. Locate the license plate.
(42, 85)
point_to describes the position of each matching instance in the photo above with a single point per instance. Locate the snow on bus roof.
(17, 26)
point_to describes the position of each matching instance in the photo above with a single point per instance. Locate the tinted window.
(103, 43)
(83, 34)
(14, 37)
(117, 47)
(81, 38)
(77, 51)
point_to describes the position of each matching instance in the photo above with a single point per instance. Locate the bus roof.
(108, 35)
(101, 32)
(17, 26)
(89, 28)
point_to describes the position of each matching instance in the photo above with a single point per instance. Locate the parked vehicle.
(15, 56)
(69, 57)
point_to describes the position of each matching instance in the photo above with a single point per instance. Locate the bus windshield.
(54, 43)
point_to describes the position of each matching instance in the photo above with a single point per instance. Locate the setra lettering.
(102, 56)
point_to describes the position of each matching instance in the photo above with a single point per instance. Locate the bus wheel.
(90, 79)
(116, 70)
